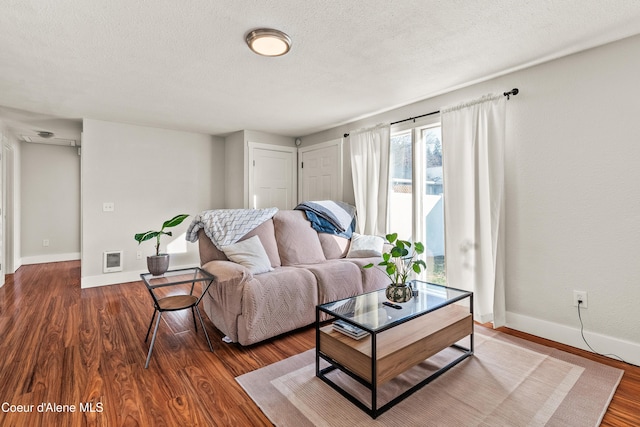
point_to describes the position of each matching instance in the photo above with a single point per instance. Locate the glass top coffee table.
(374, 343)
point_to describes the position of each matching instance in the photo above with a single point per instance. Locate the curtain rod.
(513, 92)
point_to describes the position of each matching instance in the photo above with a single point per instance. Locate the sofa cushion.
(333, 246)
(364, 246)
(265, 231)
(336, 280)
(249, 253)
(298, 243)
(372, 278)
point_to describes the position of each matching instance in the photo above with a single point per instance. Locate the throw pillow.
(363, 246)
(249, 253)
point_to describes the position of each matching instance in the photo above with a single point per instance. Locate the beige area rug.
(507, 382)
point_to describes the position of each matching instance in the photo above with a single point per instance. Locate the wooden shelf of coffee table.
(399, 348)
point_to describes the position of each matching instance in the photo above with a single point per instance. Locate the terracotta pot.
(158, 264)
(400, 292)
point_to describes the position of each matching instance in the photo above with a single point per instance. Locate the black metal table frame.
(157, 310)
(374, 411)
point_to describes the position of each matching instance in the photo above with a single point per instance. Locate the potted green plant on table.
(158, 264)
(399, 263)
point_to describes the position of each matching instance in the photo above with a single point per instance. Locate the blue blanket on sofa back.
(328, 216)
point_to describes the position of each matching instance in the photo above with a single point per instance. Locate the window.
(416, 210)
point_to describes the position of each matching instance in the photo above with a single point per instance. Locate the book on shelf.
(349, 330)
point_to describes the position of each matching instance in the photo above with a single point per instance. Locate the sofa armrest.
(225, 296)
(227, 272)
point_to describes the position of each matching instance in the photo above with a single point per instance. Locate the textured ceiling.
(185, 65)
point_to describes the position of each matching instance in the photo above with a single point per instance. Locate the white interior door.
(272, 177)
(320, 171)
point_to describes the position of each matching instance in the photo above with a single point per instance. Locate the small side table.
(178, 298)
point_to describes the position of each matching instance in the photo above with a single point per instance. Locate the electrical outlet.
(45, 242)
(580, 296)
(108, 207)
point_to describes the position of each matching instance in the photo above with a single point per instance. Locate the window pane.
(400, 206)
(433, 208)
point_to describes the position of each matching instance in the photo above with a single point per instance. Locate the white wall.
(150, 175)
(50, 203)
(573, 200)
(234, 145)
(268, 138)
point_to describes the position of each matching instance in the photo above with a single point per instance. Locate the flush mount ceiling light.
(45, 134)
(268, 42)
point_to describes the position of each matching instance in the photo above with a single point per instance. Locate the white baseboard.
(42, 259)
(119, 277)
(603, 344)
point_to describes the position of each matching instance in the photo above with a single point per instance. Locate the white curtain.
(473, 139)
(370, 172)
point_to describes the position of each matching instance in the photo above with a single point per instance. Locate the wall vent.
(112, 261)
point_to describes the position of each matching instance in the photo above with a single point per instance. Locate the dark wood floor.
(66, 346)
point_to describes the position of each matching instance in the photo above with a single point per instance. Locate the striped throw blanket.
(227, 226)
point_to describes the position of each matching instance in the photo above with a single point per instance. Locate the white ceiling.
(185, 65)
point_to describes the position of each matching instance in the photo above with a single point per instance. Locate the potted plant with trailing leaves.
(399, 263)
(158, 264)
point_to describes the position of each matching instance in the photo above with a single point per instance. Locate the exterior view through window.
(416, 210)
